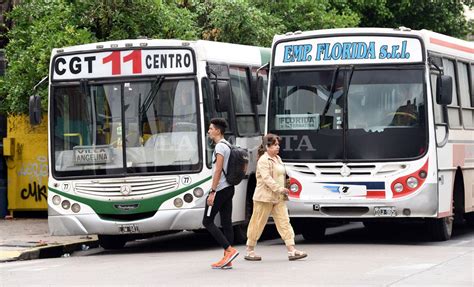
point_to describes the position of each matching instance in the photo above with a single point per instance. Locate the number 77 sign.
(119, 63)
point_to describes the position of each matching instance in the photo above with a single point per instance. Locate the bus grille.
(140, 186)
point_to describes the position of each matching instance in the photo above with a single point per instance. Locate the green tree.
(442, 16)
(41, 25)
(306, 15)
(236, 22)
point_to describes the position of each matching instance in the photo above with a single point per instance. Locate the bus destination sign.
(348, 50)
(92, 154)
(121, 63)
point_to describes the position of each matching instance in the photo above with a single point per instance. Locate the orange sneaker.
(227, 266)
(219, 264)
(230, 255)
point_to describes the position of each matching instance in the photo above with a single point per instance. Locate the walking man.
(220, 196)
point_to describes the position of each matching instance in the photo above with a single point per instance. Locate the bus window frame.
(470, 104)
(370, 67)
(123, 171)
(248, 75)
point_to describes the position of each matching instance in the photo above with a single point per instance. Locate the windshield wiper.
(331, 95)
(150, 97)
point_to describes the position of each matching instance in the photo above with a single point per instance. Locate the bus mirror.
(444, 90)
(257, 90)
(222, 95)
(35, 110)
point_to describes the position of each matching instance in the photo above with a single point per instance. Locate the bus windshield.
(125, 127)
(349, 114)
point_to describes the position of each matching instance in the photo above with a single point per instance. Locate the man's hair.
(219, 123)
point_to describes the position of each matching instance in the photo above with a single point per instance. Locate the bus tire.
(112, 241)
(440, 229)
(240, 233)
(312, 230)
(240, 230)
(469, 217)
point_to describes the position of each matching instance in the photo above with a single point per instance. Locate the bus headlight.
(56, 199)
(412, 182)
(398, 187)
(294, 188)
(75, 207)
(178, 202)
(198, 192)
(66, 204)
(188, 197)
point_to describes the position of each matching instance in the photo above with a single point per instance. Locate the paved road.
(350, 255)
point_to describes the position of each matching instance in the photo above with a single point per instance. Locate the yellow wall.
(26, 149)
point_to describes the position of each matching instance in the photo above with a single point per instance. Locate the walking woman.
(269, 198)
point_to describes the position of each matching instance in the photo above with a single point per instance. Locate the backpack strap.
(230, 150)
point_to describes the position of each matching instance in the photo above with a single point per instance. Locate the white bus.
(128, 149)
(376, 125)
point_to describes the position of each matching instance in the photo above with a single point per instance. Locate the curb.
(49, 251)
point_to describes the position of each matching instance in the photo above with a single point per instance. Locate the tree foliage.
(40, 25)
(442, 16)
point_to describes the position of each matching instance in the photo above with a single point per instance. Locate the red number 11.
(135, 56)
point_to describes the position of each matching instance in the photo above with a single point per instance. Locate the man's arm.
(215, 178)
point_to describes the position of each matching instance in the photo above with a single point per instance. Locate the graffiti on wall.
(33, 177)
(36, 191)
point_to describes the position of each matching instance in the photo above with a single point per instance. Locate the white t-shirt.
(224, 150)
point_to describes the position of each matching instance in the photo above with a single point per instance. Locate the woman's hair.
(267, 140)
(220, 124)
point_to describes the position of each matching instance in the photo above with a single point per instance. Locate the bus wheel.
(312, 229)
(440, 229)
(240, 233)
(112, 241)
(469, 218)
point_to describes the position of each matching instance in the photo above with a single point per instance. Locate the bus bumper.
(163, 220)
(423, 203)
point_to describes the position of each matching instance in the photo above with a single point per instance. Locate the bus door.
(443, 149)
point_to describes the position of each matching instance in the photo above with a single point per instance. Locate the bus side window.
(439, 115)
(465, 96)
(244, 114)
(454, 117)
(222, 73)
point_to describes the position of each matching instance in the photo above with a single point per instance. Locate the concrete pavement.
(25, 239)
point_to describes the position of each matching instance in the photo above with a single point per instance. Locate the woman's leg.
(282, 222)
(260, 214)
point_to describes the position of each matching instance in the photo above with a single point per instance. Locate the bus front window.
(381, 111)
(386, 115)
(131, 127)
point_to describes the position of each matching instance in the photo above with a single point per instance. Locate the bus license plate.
(386, 211)
(128, 228)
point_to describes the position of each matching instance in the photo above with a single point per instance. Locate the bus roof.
(433, 41)
(205, 50)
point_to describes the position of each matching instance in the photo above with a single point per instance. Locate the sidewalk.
(25, 239)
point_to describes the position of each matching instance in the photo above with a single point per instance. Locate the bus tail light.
(408, 184)
(295, 188)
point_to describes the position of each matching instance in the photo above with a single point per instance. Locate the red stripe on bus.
(375, 194)
(451, 45)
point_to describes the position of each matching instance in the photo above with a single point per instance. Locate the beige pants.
(260, 215)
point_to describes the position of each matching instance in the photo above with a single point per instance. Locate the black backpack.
(237, 165)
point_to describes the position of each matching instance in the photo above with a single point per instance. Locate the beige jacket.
(267, 190)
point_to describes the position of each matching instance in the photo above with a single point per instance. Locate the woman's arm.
(263, 166)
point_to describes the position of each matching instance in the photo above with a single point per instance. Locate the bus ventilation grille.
(349, 170)
(136, 186)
